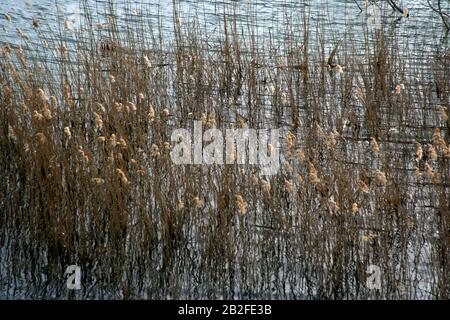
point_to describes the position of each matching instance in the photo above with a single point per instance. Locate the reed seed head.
(374, 145)
(241, 204)
(68, 133)
(197, 202)
(122, 176)
(380, 178)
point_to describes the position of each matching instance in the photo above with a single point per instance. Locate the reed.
(87, 178)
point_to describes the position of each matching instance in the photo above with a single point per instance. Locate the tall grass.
(87, 178)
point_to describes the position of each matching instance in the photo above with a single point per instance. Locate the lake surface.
(337, 16)
(417, 37)
(340, 21)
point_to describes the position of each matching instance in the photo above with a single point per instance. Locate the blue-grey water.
(264, 20)
(269, 16)
(419, 35)
(267, 21)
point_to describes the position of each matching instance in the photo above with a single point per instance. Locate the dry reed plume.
(87, 178)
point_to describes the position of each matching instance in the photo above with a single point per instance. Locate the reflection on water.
(268, 23)
(424, 26)
(264, 20)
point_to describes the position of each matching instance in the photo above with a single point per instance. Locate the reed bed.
(87, 178)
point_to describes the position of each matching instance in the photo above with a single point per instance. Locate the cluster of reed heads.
(87, 178)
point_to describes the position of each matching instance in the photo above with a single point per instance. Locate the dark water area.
(272, 34)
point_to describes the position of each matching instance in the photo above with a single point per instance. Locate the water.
(418, 36)
(337, 16)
